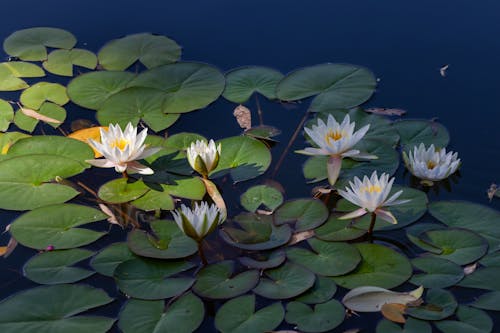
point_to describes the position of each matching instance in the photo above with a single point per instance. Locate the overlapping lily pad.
(239, 316)
(106, 261)
(305, 213)
(242, 82)
(54, 309)
(411, 326)
(439, 304)
(470, 320)
(275, 259)
(50, 113)
(439, 273)
(37, 94)
(338, 230)
(11, 72)
(182, 316)
(324, 317)
(122, 190)
(259, 195)
(323, 290)
(150, 50)
(413, 132)
(6, 115)
(61, 62)
(488, 301)
(166, 241)
(482, 279)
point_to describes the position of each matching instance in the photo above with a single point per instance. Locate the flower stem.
(372, 223)
(125, 174)
(204, 261)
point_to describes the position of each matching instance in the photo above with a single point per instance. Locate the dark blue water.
(403, 42)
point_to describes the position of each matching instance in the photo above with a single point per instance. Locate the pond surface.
(404, 44)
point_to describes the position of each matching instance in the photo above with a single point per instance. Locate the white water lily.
(431, 163)
(198, 222)
(371, 195)
(122, 149)
(203, 157)
(337, 141)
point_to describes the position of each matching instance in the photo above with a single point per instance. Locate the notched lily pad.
(324, 317)
(336, 230)
(439, 273)
(413, 132)
(12, 71)
(122, 190)
(106, 261)
(323, 290)
(275, 259)
(242, 82)
(37, 94)
(50, 113)
(470, 320)
(265, 195)
(61, 62)
(305, 213)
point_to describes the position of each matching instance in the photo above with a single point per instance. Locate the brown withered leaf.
(394, 312)
(111, 216)
(386, 112)
(300, 236)
(469, 269)
(492, 191)
(243, 116)
(33, 114)
(5, 251)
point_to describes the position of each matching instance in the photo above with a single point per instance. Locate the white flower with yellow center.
(337, 141)
(121, 150)
(431, 163)
(371, 195)
(198, 222)
(203, 157)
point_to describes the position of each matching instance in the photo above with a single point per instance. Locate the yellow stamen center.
(333, 135)
(120, 143)
(371, 189)
(431, 165)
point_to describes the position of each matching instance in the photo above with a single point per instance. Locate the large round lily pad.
(30, 44)
(337, 86)
(55, 226)
(182, 316)
(324, 317)
(166, 241)
(380, 267)
(242, 82)
(239, 316)
(151, 279)
(54, 309)
(150, 50)
(53, 267)
(215, 281)
(305, 213)
(439, 304)
(328, 259)
(106, 261)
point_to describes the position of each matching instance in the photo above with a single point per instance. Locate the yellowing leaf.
(93, 133)
(33, 114)
(394, 312)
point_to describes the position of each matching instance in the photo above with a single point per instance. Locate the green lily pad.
(285, 282)
(259, 195)
(439, 304)
(478, 218)
(52, 145)
(411, 326)
(323, 318)
(187, 86)
(323, 290)
(151, 279)
(239, 316)
(305, 213)
(12, 71)
(121, 190)
(263, 132)
(380, 267)
(488, 301)
(470, 320)
(337, 86)
(215, 281)
(255, 232)
(242, 157)
(23, 181)
(54, 309)
(47, 109)
(135, 104)
(53, 267)
(6, 115)
(336, 230)
(413, 132)
(61, 62)
(183, 140)
(7, 140)
(106, 261)
(37, 94)
(439, 273)
(416, 232)
(491, 259)
(182, 316)
(92, 89)
(328, 259)
(55, 226)
(482, 278)
(166, 241)
(242, 82)
(30, 44)
(150, 50)
(275, 259)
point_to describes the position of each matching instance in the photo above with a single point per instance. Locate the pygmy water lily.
(198, 222)
(122, 149)
(335, 140)
(371, 195)
(203, 157)
(431, 164)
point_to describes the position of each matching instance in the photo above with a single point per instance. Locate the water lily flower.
(431, 164)
(203, 157)
(198, 222)
(122, 149)
(371, 195)
(337, 141)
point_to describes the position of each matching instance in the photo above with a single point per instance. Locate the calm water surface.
(403, 42)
